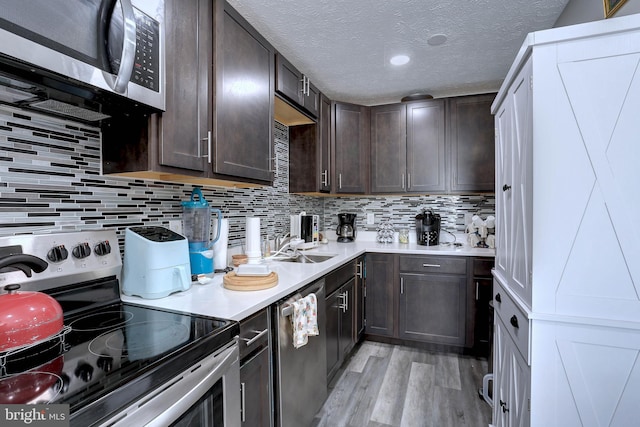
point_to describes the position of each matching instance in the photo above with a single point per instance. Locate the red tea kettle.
(31, 386)
(26, 317)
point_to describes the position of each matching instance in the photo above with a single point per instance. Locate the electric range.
(109, 354)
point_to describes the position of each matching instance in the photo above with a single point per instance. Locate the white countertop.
(212, 299)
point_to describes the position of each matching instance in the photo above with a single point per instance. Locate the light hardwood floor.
(389, 385)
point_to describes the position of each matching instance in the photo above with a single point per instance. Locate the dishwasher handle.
(317, 288)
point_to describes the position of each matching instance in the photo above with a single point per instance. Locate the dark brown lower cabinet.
(379, 303)
(340, 307)
(359, 295)
(255, 373)
(255, 390)
(420, 298)
(482, 284)
(433, 308)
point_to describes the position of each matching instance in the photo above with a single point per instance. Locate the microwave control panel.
(146, 69)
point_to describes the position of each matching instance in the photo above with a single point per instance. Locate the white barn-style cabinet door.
(567, 242)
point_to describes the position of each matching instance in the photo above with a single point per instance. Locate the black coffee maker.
(346, 230)
(428, 228)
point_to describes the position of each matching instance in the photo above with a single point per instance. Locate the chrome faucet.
(281, 241)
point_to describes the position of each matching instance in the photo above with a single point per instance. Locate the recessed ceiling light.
(437, 39)
(399, 59)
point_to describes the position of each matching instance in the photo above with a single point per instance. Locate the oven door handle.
(164, 406)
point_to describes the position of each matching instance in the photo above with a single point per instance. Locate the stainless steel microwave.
(110, 47)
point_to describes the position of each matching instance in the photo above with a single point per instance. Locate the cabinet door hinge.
(531, 82)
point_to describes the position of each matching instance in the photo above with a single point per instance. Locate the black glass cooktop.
(121, 346)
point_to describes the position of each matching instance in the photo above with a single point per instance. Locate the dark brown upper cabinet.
(175, 143)
(244, 66)
(389, 148)
(296, 87)
(433, 147)
(309, 153)
(408, 147)
(471, 143)
(426, 146)
(350, 148)
(184, 129)
(324, 127)
(218, 125)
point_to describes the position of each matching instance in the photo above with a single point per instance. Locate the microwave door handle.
(128, 48)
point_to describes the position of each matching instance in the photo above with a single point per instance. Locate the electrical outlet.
(370, 218)
(175, 225)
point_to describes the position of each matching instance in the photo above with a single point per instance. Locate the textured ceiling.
(344, 46)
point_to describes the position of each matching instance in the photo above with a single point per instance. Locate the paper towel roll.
(252, 238)
(220, 260)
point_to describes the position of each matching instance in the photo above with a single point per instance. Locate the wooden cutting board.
(249, 283)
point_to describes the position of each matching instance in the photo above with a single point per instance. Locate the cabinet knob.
(514, 321)
(506, 187)
(498, 297)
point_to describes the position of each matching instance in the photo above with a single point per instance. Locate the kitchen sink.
(307, 258)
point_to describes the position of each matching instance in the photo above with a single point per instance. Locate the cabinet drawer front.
(254, 333)
(339, 277)
(513, 317)
(482, 267)
(434, 264)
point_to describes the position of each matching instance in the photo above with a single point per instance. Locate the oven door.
(205, 395)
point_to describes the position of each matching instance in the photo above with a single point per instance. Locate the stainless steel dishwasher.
(301, 373)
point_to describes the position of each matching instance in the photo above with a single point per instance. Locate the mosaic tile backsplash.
(50, 181)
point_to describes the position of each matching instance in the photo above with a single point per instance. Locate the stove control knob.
(63, 384)
(83, 250)
(105, 363)
(58, 253)
(84, 371)
(102, 248)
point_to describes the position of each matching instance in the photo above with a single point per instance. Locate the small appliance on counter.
(307, 227)
(196, 226)
(346, 230)
(428, 228)
(156, 262)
